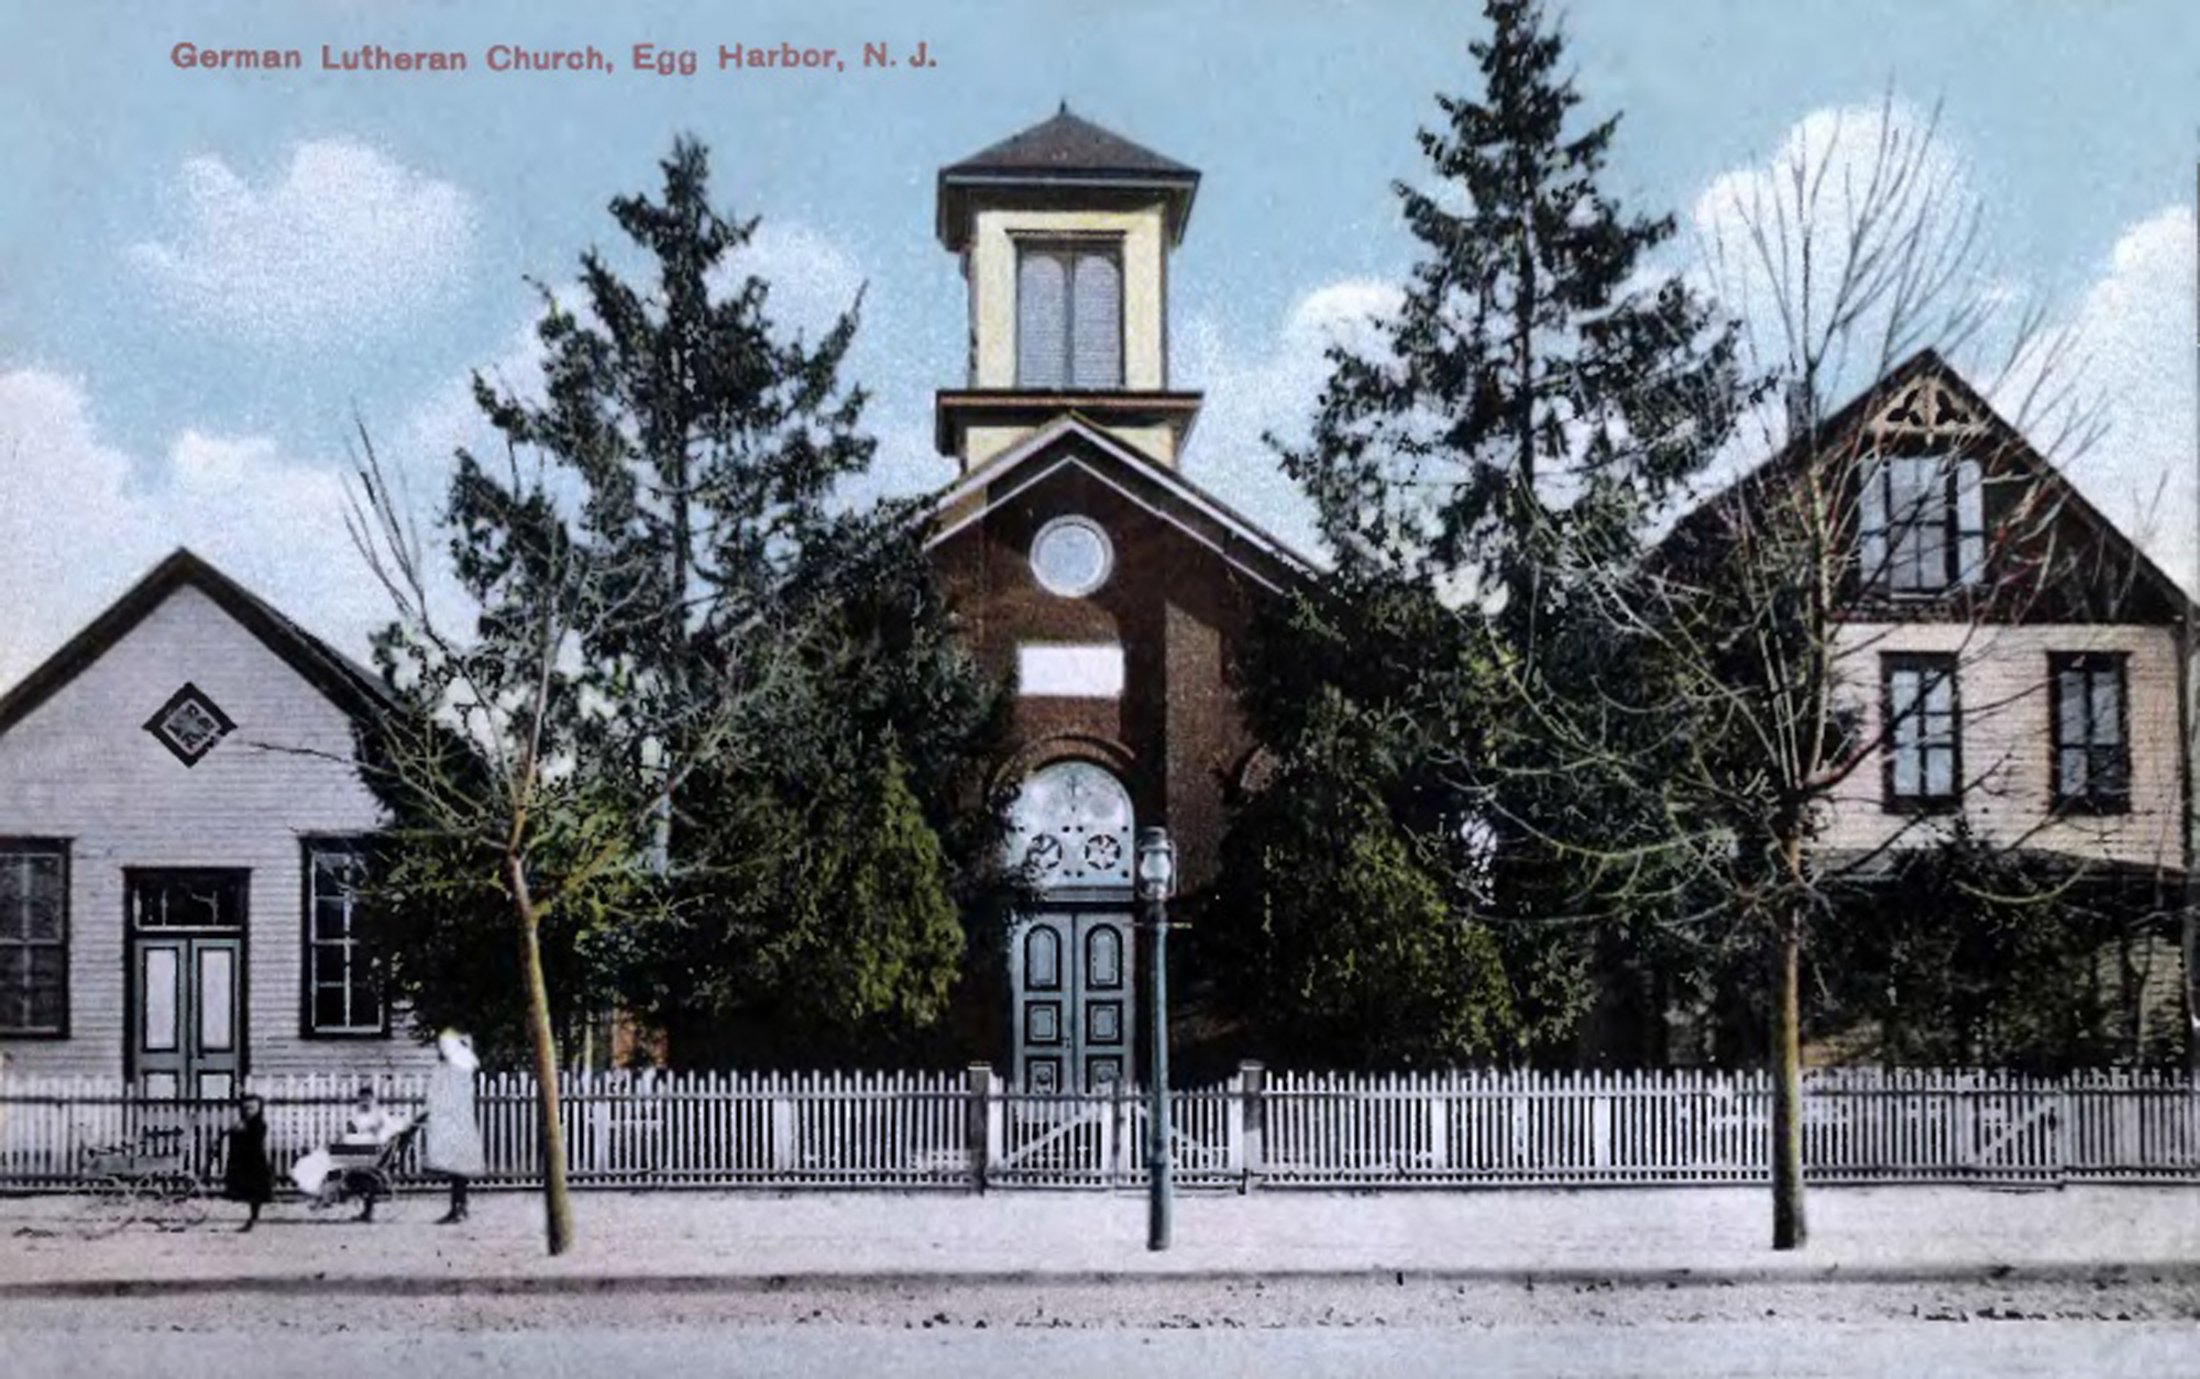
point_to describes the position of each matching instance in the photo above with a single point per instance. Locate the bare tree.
(1743, 692)
(511, 772)
(1857, 247)
(1757, 632)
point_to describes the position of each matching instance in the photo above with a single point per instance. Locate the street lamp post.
(1156, 882)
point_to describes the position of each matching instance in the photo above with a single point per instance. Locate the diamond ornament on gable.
(189, 724)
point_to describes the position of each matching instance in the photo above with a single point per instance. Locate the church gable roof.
(1072, 444)
(347, 684)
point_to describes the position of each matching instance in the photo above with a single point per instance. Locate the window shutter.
(1096, 355)
(2108, 723)
(1970, 523)
(1041, 318)
(1906, 731)
(1871, 523)
(1940, 764)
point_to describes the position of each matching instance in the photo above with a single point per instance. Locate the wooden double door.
(186, 981)
(1074, 999)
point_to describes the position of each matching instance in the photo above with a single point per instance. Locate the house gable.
(2089, 570)
(347, 685)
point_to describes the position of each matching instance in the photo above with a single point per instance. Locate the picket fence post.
(782, 1124)
(1601, 1094)
(978, 1124)
(1251, 1126)
(1233, 1127)
(1439, 1121)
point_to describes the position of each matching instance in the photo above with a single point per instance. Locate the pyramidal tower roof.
(1072, 144)
(1059, 153)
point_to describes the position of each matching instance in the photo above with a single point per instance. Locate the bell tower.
(1064, 232)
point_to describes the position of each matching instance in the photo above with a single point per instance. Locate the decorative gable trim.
(1924, 401)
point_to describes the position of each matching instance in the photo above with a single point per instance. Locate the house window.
(2092, 748)
(343, 971)
(1923, 524)
(1069, 315)
(1924, 733)
(34, 937)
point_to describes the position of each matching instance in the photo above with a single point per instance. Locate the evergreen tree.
(1350, 953)
(767, 646)
(1540, 395)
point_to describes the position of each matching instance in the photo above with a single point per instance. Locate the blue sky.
(204, 274)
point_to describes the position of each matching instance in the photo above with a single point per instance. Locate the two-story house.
(2005, 659)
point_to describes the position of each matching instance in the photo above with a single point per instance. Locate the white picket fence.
(965, 1130)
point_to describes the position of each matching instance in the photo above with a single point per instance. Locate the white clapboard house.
(181, 823)
(2016, 662)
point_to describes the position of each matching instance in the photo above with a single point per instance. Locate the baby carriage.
(363, 1173)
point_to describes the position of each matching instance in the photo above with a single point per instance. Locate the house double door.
(1074, 1000)
(186, 985)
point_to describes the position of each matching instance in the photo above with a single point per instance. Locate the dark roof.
(1070, 143)
(349, 685)
(1064, 150)
(1701, 521)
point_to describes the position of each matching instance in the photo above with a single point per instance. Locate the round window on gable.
(1072, 557)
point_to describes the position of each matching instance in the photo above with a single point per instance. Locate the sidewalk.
(721, 1240)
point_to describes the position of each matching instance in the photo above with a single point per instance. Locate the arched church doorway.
(1071, 956)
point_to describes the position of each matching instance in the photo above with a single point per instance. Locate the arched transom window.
(1072, 823)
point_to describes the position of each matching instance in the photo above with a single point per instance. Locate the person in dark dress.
(246, 1174)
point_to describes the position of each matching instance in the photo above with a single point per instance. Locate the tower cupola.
(1064, 232)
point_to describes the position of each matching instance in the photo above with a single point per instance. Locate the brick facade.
(1180, 609)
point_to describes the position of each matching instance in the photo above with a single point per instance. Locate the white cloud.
(1843, 185)
(813, 278)
(1272, 386)
(78, 523)
(2134, 331)
(345, 242)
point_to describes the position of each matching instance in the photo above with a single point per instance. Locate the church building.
(1110, 590)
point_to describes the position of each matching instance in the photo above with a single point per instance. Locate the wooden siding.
(80, 767)
(2008, 740)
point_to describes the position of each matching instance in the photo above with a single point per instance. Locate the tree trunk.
(1788, 1228)
(550, 1139)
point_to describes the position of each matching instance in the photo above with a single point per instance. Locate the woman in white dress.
(453, 1146)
